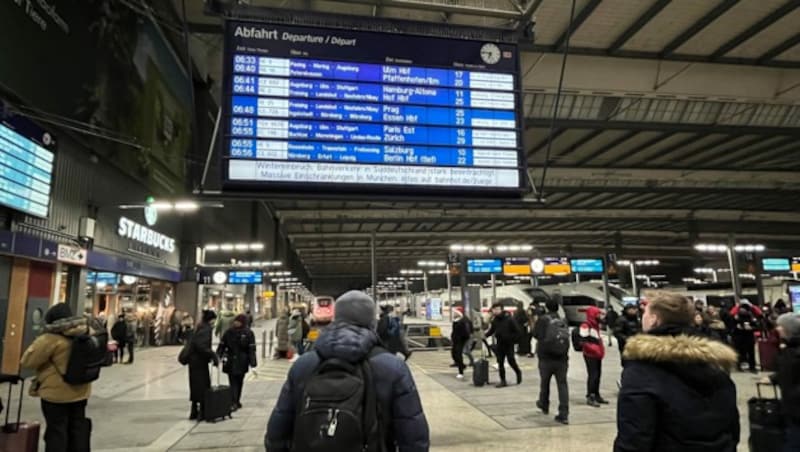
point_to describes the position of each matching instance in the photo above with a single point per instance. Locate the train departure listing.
(323, 118)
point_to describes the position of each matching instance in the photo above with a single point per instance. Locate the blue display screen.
(245, 277)
(776, 264)
(26, 171)
(586, 265)
(484, 266)
(102, 279)
(362, 108)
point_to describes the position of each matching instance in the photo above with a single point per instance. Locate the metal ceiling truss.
(755, 29)
(734, 130)
(637, 25)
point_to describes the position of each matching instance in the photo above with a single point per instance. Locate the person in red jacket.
(593, 353)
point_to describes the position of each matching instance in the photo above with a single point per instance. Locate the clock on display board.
(490, 53)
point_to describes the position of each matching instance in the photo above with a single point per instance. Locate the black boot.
(519, 378)
(502, 384)
(193, 414)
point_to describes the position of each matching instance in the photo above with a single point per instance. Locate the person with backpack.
(523, 322)
(119, 332)
(200, 354)
(52, 356)
(593, 353)
(787, 377)
(460, 336)
(349, 393)
(296, 331)
(627, 325)
(745, 317)
(506, 332)
(237, 348)
(677, 393)
(552, 346)
(390, 331)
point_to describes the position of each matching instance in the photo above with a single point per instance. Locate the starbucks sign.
(139, 233)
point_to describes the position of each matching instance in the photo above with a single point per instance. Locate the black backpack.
(339, 410)
(86, 357)
(577, 340)
(556, 338)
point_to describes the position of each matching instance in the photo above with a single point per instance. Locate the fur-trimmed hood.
(699, 361)
(71, 326)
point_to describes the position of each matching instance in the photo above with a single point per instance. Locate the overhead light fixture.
(432, 264)
(226, 247)
(750, 248)
(513, 248)
(648, 263)
(186, 206)
(624, 262)
(411, 272)
(711, 248)
(704, 270)
(241, 247)
(211, 247)
(256, 246)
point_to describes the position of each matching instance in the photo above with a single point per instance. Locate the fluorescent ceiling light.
(226, 247)
(256, 246)
(241, 247)
(211, 247)
(186, 206)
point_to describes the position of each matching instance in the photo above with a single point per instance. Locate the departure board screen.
(314, 108)
(26, 172)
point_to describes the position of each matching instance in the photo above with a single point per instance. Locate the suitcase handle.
(774, 389)
(7, 426)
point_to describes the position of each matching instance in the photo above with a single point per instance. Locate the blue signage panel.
(776, 264)
(245, 277)
(586, 265)
(487, 266)
(26, 170)
(313, 108)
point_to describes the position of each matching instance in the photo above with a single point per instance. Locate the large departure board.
(319, 108)
(26, 170)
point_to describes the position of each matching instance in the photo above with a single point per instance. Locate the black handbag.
(765, 412)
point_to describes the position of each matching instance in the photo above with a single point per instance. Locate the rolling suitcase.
(766, 422)
(19, 436)
(480, 372)
(218, 401)
(767, 354)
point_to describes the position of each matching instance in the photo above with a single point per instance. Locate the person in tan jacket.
(63, 405)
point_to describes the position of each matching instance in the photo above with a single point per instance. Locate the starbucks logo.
(150, 215)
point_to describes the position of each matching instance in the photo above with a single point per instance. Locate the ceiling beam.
(755, 29)
(728, 155)
(608, 147)
(483, 235)
(776, 51)
(577, 21)
(664, 127)
(634, 28)
(721, 8)
(443, 7)
(642, 147)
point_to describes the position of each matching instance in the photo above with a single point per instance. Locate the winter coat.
(49, 354)
(224, 322)
(238, 346)
(295, 328)
(593, 346)
(394, 386)
(478, 326)
(625, 328)
(521, 317)
(677, 394)
(394, 343)
(119, 332)
(200, 355)
(282, 333)
(462, 331)
(540, 331)
(788, 378)
(504, 328)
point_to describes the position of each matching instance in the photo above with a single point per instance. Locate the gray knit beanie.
(790, 322)
(356, 308)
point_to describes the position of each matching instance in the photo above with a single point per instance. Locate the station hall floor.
(144, 408)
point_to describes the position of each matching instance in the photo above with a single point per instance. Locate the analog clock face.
(490, 53)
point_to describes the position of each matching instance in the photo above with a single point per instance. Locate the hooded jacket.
(395, 389)
(48, 355)
(787, 378)
(677, 394)
(224, 322)
(593, 346)
(296, 327)
(504, 328)
(626, 327)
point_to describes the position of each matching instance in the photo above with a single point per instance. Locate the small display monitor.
(557, 266)
(586, 265)
(245, 277)
(776, 264)
(486, 266)
(517, 266)
(794, 297)
(796, 265)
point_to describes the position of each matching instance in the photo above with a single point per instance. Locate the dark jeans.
(792, 443)
(745, 344)
(558, 368)
(129, 342)
(120, 351)
(594, 368)
(68, 429)
(506, 350)
(237, 384)
(467, 351)
(457, 352)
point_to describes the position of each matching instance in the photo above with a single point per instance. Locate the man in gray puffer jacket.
(351, 338)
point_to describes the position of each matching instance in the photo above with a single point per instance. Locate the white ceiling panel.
(609, 20)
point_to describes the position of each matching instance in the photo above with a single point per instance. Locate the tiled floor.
(143, 408)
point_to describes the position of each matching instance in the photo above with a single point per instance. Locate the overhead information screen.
(314, 108)
(245, 277)
(26, 171)
(485, 266)
(586, 265)
(776, 264)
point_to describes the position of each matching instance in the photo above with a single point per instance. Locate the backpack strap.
(375, 428)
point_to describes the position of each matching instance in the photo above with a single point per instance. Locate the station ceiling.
(679, 122)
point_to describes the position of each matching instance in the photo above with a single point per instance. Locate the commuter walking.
(787, 377)
(677, 394)
(224, 322)
(200, 355)
(130, 341)
(460, 336)
(63, 404)
(627, 325)
(390, 331)
(745, 316)
(250, 319)
(119, 333)
(282, 334)
(593, 353)
(552, 346)
(478, 335)
(388, 413)
(523, 322)
(296, 331)
(506, 332)
(237, 349)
